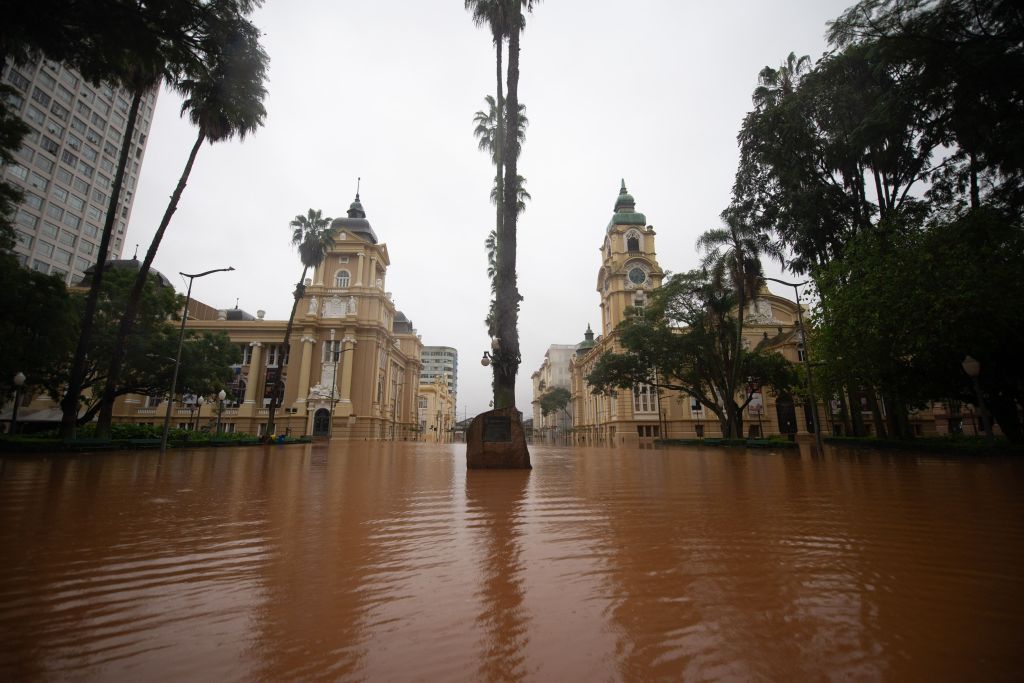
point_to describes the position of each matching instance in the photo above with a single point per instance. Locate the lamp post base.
(496, 440)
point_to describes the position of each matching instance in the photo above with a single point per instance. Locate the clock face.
(637, 276)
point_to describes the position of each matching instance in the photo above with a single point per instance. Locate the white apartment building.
(441, 361)
(553, 372)
(66, 165)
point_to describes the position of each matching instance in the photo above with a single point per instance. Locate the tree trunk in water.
(856, 415)
(132, 308)
(1003, 410)
(507, 361)
(300, 290)
(876, 414)
(76, 375)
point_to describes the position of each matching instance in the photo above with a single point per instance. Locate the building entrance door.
(786, 412)
(322, 422)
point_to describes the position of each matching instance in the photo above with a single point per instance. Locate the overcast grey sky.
(652, 91)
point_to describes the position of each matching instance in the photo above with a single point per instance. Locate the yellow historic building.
(352, 371)
(629, 272)
(436, 411)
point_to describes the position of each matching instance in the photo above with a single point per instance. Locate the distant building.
(441, 361)
(553, 372)
(436, 410)
(66, 165)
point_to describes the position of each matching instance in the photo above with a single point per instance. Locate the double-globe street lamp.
(807, 359)
(177, 361)
(221, 395)
(972, 367)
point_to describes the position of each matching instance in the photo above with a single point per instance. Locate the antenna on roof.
(359, 181)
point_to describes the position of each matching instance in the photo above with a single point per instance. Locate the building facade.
(555, 427)
(629, 272)
(443, 362)
(436, 410)
(353, 366)
(66, 165)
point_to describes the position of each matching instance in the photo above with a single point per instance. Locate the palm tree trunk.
(300, 290)
(132, 307)
(499, 143)
(76, 375)
(507, 365)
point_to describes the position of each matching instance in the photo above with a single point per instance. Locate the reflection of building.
(436, 410)
(353, 357)
(441, 361)
(553, 373)
(66, 165)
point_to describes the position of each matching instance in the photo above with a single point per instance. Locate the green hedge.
(963, 445)
(729, 443)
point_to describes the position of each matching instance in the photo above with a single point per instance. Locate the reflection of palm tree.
(494, 500)
(313, 237)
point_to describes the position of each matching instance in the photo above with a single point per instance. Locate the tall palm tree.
(522, 196)
(223, 99)
(313, 237)
(733, 261)
(487, 122)
(776, 84)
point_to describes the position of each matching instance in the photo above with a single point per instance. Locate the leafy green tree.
(149, 352)
(555, 399)
(313, 237)
(685, 340)
(224, 99)
(33, 329)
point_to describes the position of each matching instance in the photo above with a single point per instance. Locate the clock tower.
(629, 265)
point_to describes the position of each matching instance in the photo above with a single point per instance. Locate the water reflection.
(494, 502)
(391, 561)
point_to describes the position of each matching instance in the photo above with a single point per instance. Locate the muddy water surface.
(392, 562)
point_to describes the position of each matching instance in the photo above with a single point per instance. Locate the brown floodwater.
(392, 562)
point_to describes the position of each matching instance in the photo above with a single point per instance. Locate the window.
(87, 94)
(343, 259)
(800, 352)
(14, 100)
(80, 185)
(107, 166)
(85, 168)
(59, 193)
(27, 219)
(60, 112)
(98, 121)
(40, 266)
(98, 196)
(645, 399)
(54, 128)
(54, 212)
(34, 115)
(18, 171)
(24, 239)
(50, 229)
(64, 175)
(49, 145)
(273, 351)
(44, 248)
(87, 248)
(62, 256)
(18, 80)
(38, 181)
(332, 350)
(341, 279)
(90, 230)
(43, 164)
(33, 200)
(102, 107)
(76, 202)
(63, 94)
(110, 150)
(82, 109)
(695, 406)
(89, 153)
(71, 220)
(69, 78)
(47, 80)
(93, 137)
(69, 159)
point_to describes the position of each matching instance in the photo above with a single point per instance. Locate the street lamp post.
(973, 368)
(221, 395)
(177, 361)
(19, 382)
(199, 413)
(807, 360)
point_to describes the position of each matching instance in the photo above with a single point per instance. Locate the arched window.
(341, 279)
(632, 243)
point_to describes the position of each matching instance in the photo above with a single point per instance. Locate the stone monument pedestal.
(496, 440)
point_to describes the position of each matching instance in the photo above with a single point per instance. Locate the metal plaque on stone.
(497, 428)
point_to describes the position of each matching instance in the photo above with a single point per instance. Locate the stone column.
(248, 407)
(307, 354)
(318, 273)
(359, 271)
(373, 271)
(348, 350)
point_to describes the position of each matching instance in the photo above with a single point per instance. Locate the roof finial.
(622, 190)
(136, 257)
(236, 303)
(359, 181)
